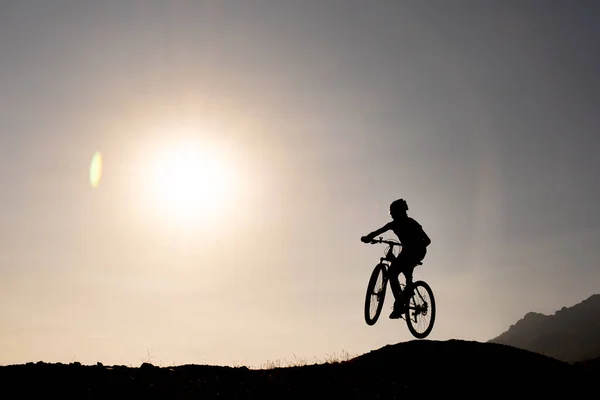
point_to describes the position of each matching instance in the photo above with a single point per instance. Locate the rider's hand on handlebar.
(365, 239)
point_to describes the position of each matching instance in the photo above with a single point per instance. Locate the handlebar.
(380, 240)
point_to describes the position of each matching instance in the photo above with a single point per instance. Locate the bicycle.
(417, 305)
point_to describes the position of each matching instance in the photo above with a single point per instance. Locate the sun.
(189, 181)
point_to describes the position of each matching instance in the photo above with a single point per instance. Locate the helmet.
(398, 206)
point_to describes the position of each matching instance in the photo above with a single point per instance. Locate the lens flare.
(96, 170)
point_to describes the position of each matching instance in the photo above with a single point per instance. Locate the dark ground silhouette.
(571, 334)
(417, 368)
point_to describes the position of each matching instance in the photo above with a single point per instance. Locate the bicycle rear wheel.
(420, 314)
(375, 294)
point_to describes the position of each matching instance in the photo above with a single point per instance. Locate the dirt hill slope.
(424, 368)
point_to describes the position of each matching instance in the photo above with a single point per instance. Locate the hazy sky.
(482, 114)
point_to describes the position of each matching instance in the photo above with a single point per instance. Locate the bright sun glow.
(189, 181)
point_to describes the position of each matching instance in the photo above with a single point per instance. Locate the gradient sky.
(482, 114)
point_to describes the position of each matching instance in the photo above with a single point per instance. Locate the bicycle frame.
(389, 254)
(388, 258)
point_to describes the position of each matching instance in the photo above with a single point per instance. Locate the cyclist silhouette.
(414, 242)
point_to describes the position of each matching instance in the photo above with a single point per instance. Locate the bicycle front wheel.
(420, 314)
(375, 294)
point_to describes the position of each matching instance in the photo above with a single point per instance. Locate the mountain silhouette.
(571, 334)
(421, 368)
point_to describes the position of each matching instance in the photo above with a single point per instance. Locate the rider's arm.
(379, 231)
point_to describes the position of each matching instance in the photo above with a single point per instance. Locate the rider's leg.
(394, 273)
(411, 260)
(405, 263)
(408, 275)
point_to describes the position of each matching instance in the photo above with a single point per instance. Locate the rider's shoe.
(398, 312)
